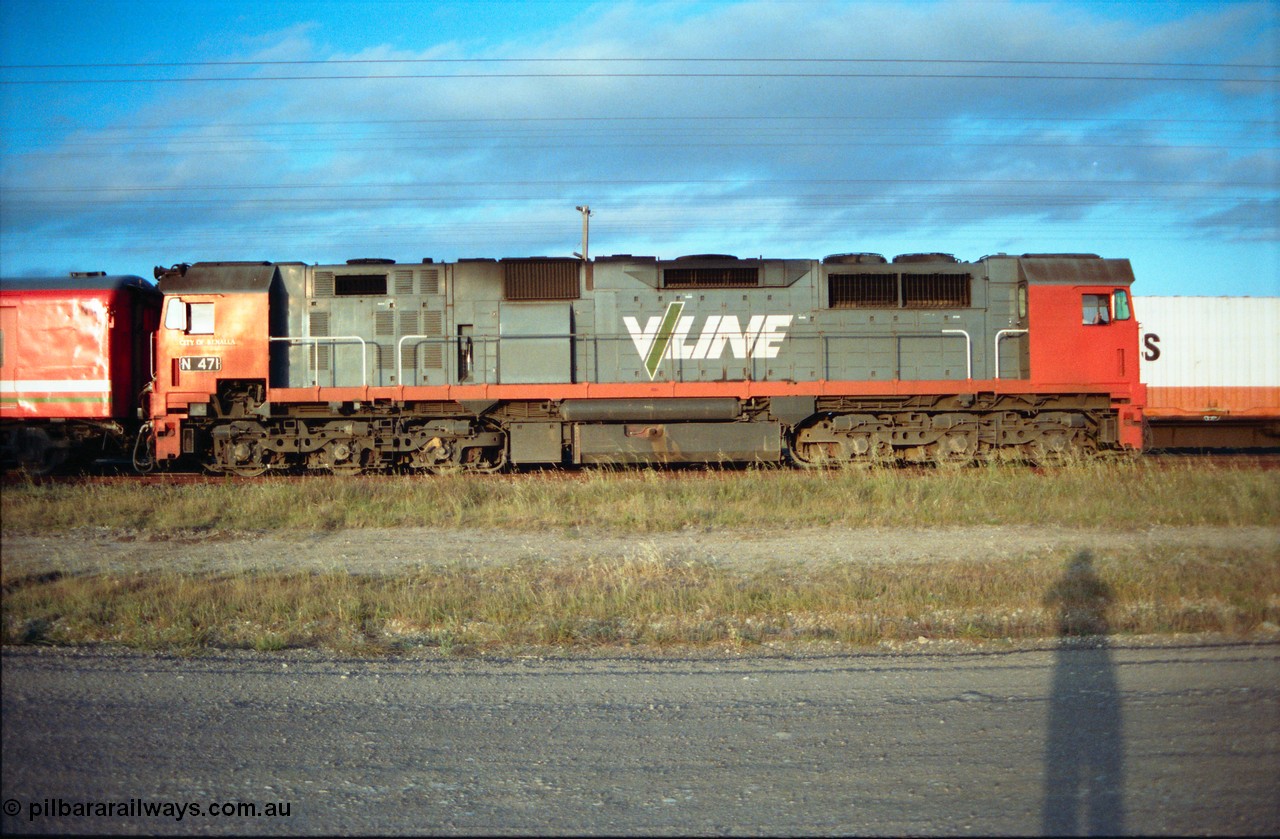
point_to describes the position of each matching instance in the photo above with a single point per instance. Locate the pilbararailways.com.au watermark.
(37, 809)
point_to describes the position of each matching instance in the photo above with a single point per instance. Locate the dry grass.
(653, 602)
(650, 602)
(1116, 495)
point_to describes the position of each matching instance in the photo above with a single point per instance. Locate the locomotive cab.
(1084, 332)
(215, 351)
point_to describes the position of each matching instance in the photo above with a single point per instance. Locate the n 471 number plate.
(199, 364)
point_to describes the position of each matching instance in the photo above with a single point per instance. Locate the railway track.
(120, 472)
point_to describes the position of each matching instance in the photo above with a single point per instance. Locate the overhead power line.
(720, 75)
(638, 60)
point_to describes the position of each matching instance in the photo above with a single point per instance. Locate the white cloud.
(412, 166)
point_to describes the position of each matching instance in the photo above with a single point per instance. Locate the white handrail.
(400, 351)
(1000, 336)
(968, 350)
(337, 339)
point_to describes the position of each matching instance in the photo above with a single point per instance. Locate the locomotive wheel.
(483, 461)
(882, 452)
(246, 459)
(343, 457)
(1053, 448)
(436, 457)
(815, 455)
(957, 449)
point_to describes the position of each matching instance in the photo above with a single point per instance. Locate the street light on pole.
(586, 214)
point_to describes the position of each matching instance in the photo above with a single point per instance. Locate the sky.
(135, 134)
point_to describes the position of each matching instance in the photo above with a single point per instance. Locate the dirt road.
(1104, 740)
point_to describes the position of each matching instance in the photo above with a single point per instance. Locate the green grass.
(1111, 495)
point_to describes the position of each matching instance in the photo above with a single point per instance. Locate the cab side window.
(1122, 304)
(191, 318)
(1096, 309)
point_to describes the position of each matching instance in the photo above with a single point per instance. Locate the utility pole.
(586, 214)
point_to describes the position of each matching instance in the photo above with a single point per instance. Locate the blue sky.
(135, 134)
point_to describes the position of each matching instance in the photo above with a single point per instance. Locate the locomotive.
(482, 364)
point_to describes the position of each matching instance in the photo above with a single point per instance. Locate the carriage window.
(1096, 309)
(1122, 304)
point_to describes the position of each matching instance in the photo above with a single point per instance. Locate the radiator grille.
(540, 279)
(861, 291)
(935, 291)
(711, 277)
(881, 291)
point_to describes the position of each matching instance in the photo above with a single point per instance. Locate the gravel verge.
(390, 551)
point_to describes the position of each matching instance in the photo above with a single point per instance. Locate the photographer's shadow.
(1084, 749)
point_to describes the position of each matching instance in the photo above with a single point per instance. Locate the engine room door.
(536, 343)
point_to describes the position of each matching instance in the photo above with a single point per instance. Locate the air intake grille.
(404, 281)
(430, 281)
(320, 328)
(433, 353)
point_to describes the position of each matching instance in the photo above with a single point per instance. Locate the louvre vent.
(430, 281)
(540, 279)
(711, 277)
(323, 284)
(319, 328)
(404, 280)
(433, 351)
(384, 324)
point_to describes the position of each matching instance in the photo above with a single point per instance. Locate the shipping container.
(1212, 370)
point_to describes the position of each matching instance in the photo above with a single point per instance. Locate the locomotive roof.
(217, 277)
(1076, 269)
(95, 281)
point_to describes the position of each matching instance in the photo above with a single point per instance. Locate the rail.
(968, 351)
(484, 362)
(1000, 336)
(335, 339)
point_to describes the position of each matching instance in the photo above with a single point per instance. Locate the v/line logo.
(667, 336)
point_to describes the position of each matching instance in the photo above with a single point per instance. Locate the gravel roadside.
(389, 551)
